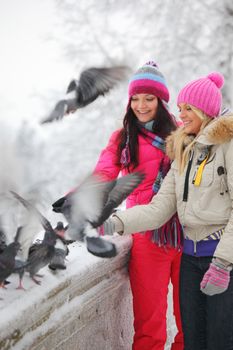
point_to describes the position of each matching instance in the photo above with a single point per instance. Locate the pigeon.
(61, 249)
(92, 83)
(7, 258)
(40, 253)
(2, 240)
(91, 204)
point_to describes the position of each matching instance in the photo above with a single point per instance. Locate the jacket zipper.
(186, 181)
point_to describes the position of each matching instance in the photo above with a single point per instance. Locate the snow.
(34, 312)
(77, 260)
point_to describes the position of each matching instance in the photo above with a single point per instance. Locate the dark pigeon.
(7, 258)
(92, 83)
(2, 240)
(41, 253)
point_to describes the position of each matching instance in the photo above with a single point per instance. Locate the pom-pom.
(217, 78)
(151, 63)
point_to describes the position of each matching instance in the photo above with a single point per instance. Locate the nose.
(182, 114)
(141, 103)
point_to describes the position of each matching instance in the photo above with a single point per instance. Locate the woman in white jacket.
(199, 186)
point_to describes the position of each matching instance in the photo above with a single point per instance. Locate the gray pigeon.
(92, 83)
(92, 203)
(7, 258)
(41, 253)
(2, 240)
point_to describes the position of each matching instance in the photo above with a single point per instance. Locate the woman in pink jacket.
(155, 256)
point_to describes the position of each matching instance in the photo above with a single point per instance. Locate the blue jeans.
(207, 321)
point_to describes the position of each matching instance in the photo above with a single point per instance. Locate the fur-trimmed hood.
(219, 131)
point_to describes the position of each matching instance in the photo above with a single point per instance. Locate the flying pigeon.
(92, 83)
(91, 204)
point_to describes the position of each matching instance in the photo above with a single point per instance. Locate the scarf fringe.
(125, 154)
(170, 234)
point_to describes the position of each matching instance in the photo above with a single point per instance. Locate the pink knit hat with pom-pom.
(204, 94)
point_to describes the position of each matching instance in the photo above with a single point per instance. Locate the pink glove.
(216, 279)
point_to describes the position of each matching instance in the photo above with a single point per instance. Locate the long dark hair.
(164, 124)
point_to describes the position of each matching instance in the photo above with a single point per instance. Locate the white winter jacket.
(209, 206)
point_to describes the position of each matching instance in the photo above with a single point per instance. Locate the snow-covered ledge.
(87, 306)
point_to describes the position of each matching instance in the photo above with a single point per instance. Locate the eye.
(188, 108)
(134, 98)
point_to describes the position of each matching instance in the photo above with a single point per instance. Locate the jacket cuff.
(119, 226)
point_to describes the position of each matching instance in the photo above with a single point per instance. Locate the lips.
(146, 112)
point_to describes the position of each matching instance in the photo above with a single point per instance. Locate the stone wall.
(88, 310)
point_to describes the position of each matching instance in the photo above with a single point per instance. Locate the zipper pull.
(194, 176)
(195, 247)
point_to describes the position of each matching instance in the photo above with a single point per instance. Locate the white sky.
(31, 62)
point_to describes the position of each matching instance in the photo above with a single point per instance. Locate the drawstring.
(198, 176)
(186, 182)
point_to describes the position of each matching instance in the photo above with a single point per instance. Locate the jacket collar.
(218, 131)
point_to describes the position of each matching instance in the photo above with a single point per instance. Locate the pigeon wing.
(72, 86)
(57, 113)
(98, 81)
(123, 187)
(28, 232)
(38, 258)
(44, 222)
(87, 202)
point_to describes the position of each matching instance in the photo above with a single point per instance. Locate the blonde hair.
(185, 142)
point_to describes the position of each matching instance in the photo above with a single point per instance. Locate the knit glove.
(216, 279)
(107, 228)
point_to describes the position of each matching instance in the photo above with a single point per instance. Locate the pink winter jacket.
(149, 162)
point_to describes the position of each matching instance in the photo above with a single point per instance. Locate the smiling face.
(144, 107)
(192, 122)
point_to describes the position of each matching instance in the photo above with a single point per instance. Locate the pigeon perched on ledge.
(91, 204)
(41, 253)
(92, 83)
(7, 258)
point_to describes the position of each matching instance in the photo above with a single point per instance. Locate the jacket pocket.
(212, 208)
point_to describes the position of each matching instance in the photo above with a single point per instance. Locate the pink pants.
(151, 268)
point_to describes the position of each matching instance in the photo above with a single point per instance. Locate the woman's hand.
(216, 278)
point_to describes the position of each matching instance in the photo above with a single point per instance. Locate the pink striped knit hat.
(204, 94)
(148, 80)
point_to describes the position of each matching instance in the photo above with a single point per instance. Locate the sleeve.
(106, 164)
(224, 249)
(153, 215)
